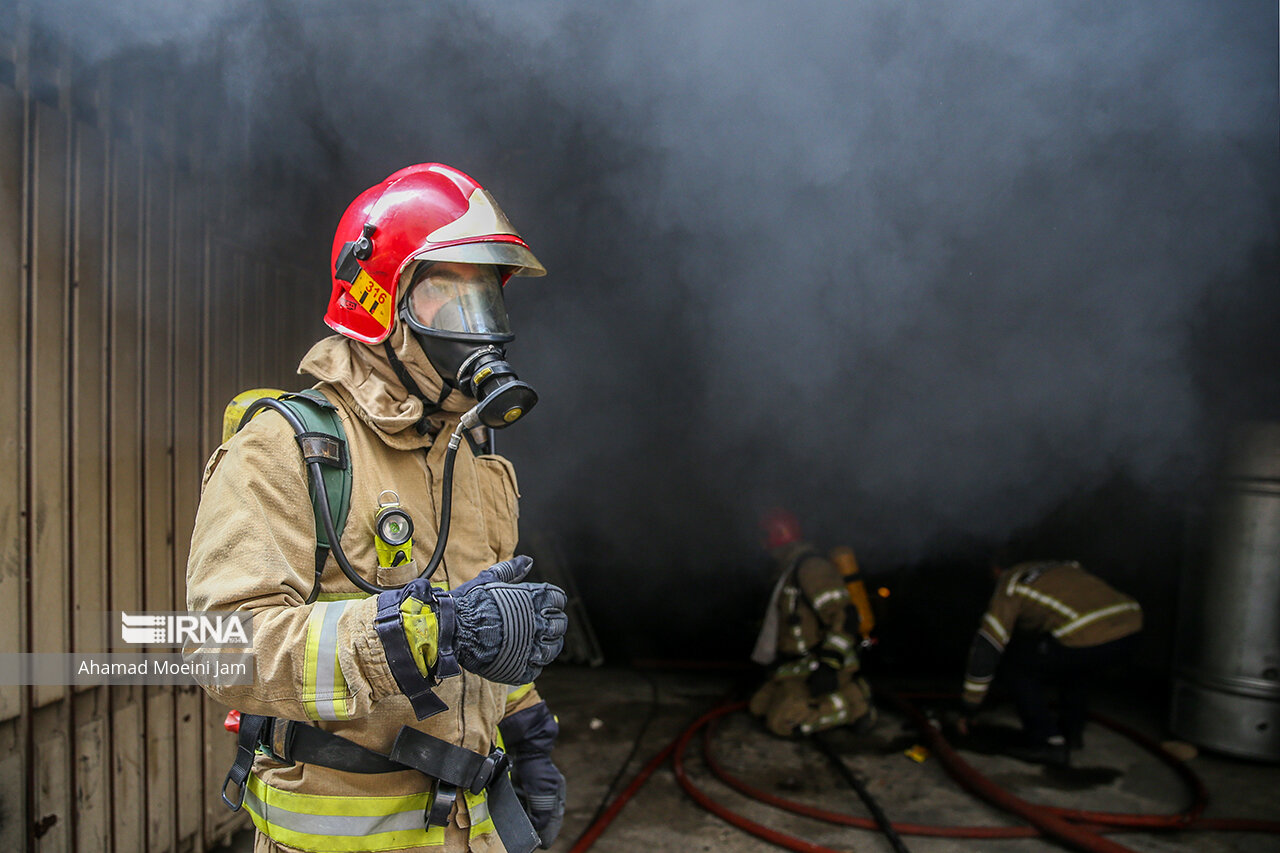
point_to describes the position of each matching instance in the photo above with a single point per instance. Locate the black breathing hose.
(873, 805)
(326, 517)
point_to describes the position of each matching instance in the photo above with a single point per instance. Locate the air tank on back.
(1226, 693)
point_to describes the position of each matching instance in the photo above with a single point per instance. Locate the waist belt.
(452, 768)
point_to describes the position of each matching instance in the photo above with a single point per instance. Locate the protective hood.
(362, 374)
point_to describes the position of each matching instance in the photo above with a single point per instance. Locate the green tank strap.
(322, 421)
(321, 439)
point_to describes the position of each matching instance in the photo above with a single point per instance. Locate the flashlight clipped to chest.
(392, 531)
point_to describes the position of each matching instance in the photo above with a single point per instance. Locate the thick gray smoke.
(917, 271)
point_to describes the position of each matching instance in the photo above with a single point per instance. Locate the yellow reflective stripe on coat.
(839, 643)
(797, 667)
(1087, 618)
(1040, 598)
(832, 595)
(478, 812)
(327, 824)
(324, 690)
(515, 694)
(838, 714)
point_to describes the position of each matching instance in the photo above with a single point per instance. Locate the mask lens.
(464, 298)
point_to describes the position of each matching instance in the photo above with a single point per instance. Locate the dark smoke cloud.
(918, 271)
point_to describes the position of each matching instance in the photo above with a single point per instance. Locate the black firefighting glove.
(528, 737)
(491, 625)
(504, 630)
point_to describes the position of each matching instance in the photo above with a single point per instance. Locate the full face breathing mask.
(457, 313)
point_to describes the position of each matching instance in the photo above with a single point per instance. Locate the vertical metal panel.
(222, 374)
(125, 415)
(238, 341)
(88, 378)
(276, 331)
(158, 368)
(188, 462)
(52, 790)
(191, 791)
(12, 480)
(157, 504)
(282, 321)
(126, 770)
(161, 755)
(210, 437)
(13, 618)
(13, 778)
(93, 793)
(258, 301)
(88, 484)
(49, 522)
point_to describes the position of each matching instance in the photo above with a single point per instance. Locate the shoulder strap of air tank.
(327, 441)
(794, 571)
(799, 559)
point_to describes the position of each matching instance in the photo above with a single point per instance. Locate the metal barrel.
(1226, 691)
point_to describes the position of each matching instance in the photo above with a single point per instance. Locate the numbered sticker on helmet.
(373, 298)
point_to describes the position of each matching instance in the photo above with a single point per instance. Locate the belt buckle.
(277, 741)
(494, 763)
(439, 804)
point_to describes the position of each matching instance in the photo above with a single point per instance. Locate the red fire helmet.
(779, 527)
(427, 212)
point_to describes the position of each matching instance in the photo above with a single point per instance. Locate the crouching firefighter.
(392, 705)
(809, 637)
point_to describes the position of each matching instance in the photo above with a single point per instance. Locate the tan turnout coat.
(811, 606)
(1054, 598)
(253, 549)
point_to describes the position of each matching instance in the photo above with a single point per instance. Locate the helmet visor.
(452, 298)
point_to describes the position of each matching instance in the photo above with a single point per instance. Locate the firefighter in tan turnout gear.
(392, 706)
(810, 637)
(1056, 626)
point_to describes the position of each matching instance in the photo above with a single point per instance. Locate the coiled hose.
(1077, 828)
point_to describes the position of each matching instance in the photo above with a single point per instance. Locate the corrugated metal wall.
(128, 320)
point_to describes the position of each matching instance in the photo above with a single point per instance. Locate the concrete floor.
(602, 710)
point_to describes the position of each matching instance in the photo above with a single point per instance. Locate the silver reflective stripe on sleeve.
(1000, 633)
(325, 688)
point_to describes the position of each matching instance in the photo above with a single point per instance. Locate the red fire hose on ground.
(1076, 828)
